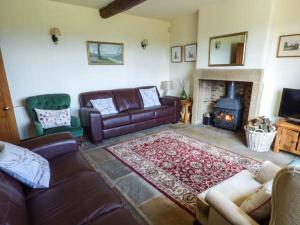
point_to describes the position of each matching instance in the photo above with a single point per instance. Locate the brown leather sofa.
(132, 115)
(77, 194)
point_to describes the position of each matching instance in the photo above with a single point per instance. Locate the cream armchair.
(219, 205)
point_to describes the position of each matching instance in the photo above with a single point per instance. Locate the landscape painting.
(105, 53)
(289, 46)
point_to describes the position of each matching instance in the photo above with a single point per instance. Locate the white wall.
(280, 72)
(183, 31)
(34, 65)
(265, 21)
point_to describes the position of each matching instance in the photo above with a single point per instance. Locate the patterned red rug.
(179, 166)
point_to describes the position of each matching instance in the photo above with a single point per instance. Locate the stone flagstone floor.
(147, 204)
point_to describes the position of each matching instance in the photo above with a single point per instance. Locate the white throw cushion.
(150, 97)
(258, 205)
(54, 118)
(25, 166)
(105, 106)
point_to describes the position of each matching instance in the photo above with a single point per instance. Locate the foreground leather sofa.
(77, 194)
(132, 115)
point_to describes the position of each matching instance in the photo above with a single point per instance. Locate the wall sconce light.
(144, 43)
(55, 32)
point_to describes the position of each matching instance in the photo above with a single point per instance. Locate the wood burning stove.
(228, 110)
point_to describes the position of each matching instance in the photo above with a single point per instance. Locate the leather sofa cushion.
(117, 217)
(141, 115)
(77, 201)
(115, 120)
(127, 99)
(13, 205)
(84, 98)
(162, 111)
(63, 169)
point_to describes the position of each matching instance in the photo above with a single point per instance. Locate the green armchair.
(52, 102)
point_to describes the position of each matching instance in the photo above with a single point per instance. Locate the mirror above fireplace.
(227, 50)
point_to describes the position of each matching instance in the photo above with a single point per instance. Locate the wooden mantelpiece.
(255, 76)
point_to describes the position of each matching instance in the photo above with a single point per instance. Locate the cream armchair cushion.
(235, 189)
(258, 205)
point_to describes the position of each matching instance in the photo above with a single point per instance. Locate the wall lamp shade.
(144, 43)
(55, 33)
(166, 86)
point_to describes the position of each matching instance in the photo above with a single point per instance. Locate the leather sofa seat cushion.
(62, 169)
(141, 115)
(127, 99)
(162, 111)
(13, 209)
(117, 217)
(115, 120)
(77, 201)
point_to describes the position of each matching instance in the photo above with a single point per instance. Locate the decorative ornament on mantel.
(55, 32)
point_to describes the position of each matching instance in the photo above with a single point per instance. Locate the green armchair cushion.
(76, 131)
(52, 102)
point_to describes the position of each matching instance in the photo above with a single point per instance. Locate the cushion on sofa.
(26, 166)
(13, 205)
(141, 115)
(150, 97)
(127, 99)
(105, 106)
(85, 98)
(77, 201)
(115, 120)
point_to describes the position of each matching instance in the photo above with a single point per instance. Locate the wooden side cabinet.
(288, 137)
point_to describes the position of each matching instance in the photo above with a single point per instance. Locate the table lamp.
(166, 86)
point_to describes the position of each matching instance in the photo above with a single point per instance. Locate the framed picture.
(289, 46)
(105, 53)
(190, 52)
(176, 54)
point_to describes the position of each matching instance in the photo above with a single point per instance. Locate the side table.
(185, 114)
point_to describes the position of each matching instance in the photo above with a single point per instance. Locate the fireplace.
(228, 110)
(210, 87)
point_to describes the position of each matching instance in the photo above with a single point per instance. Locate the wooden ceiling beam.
(118, 6)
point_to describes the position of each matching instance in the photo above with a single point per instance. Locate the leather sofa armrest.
(91, 120)
(53, 145)
(227, 210)
(174, 102)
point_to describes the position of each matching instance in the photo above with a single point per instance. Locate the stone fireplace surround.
(245, 77)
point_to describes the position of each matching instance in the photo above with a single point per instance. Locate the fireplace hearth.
(229, 110)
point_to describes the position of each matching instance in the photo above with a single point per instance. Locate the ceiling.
(159, 9)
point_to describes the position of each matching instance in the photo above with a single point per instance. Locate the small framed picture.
(176, 54)
(105, 53)
(190, 52)
(289, 46)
